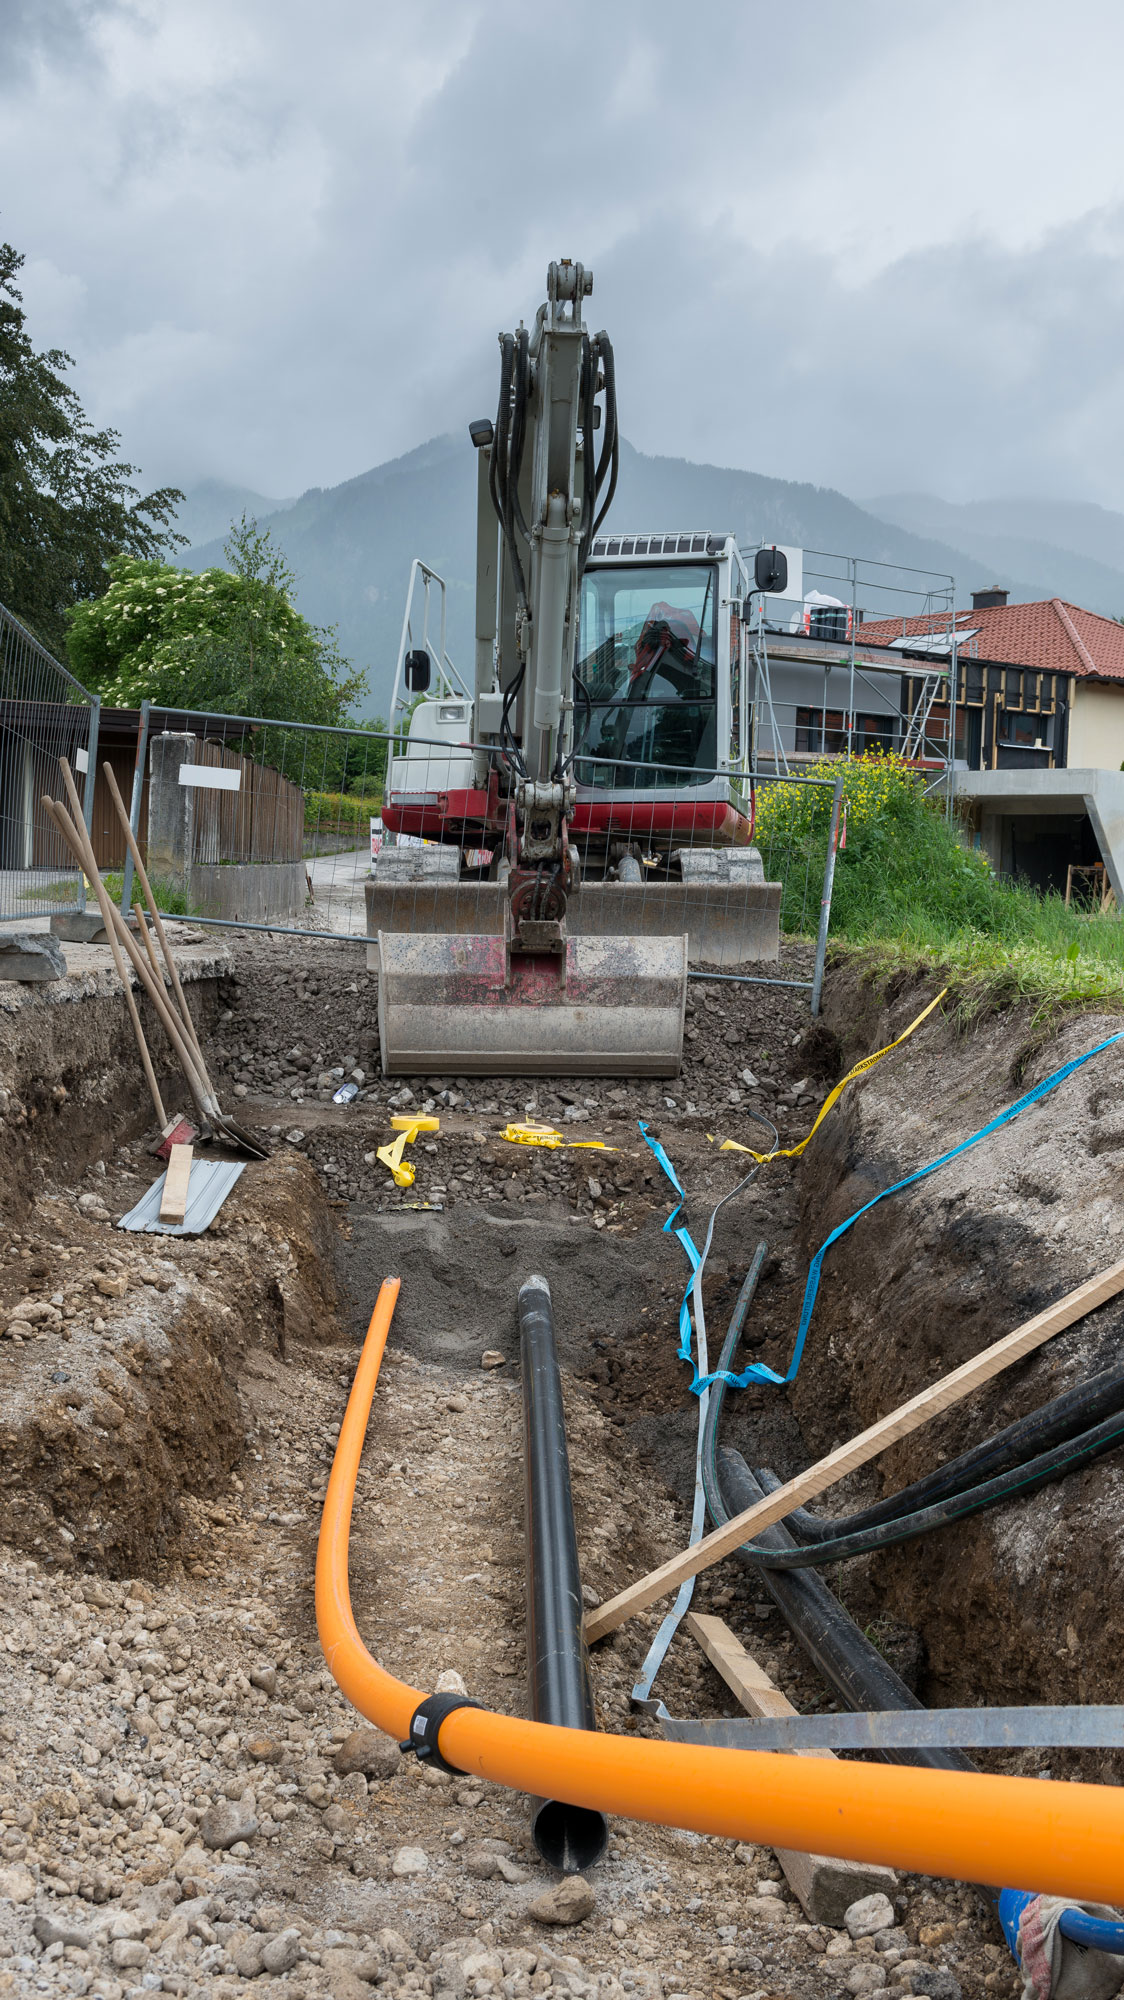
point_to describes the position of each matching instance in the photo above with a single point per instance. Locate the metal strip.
(210, 1183)
(1088, 1727)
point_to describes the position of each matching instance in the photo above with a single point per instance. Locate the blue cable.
(1092, 1933)
(758, 1371)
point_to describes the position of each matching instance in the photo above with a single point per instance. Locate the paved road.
(337, 888)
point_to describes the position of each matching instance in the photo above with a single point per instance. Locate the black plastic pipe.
(840, 1652)
(570, 1838)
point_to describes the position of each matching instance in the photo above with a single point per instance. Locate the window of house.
(969, 724)
(822, 733)
(1024, 729)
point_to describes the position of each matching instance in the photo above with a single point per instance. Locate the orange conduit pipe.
(1066, 1838)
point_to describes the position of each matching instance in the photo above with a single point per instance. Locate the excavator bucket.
(611, 1006)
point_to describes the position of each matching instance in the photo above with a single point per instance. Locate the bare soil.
(168, 1423)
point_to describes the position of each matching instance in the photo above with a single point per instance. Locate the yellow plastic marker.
(860, 1068)
(413, 1126)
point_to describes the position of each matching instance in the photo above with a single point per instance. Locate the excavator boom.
(536, 1000)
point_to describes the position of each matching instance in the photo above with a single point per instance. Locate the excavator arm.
(536, 1000)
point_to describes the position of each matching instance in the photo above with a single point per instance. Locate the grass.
(170, 900)
(339, 812)
(909, 890)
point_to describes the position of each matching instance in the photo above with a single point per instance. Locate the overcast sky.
(874, 245)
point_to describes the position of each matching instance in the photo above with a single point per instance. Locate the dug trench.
(183, 1797)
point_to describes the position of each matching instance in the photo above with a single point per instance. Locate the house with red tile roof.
(1039, 686)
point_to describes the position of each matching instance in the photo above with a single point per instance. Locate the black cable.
(1021, 1480)
(1067, 1416)
(843, 1656)
(840, 1652)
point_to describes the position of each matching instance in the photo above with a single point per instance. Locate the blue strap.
(685, 1238)
(758, 1371)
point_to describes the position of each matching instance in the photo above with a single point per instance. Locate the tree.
(67, 504)
(225, 640)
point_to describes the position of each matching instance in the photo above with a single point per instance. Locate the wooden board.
(173, 1201)
(867, 1445)
(824, 1885)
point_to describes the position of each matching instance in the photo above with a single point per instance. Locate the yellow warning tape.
(548, 1135)
(868, 1062)
(391, 1156)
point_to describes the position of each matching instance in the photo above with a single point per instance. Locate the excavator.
(570, 831)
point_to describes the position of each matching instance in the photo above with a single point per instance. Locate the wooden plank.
(173, 1201)
(919, 1410)
(824, 1885)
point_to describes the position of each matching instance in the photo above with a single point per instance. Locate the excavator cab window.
(646, 668)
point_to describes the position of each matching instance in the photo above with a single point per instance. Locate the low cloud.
(281, 247)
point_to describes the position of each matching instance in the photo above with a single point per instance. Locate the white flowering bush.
(229, 640)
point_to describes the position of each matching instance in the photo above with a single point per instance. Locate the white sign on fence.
(211, 777)
(81, 760)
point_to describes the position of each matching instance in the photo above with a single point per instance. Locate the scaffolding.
(821, 689)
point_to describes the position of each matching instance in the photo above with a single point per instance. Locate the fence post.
(825, 899)
(171, 810)
(88, 789)
(135, 806)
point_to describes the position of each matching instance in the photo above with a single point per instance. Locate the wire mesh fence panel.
(44, 715)
(258, 823)
(311, 830)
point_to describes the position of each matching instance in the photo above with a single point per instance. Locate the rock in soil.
(569, 1902)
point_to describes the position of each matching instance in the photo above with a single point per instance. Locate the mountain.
(351, 545)
(209, 508)
(1076, 545)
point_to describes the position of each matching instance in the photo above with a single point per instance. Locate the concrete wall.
(252, 892)
(1096, 727)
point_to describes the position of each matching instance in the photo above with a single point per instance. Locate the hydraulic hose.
(1020, 1482)
(1068, 1837)
(610, 458)
(1065, 1417)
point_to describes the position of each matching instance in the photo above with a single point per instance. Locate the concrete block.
(79, 927)
(33, 957)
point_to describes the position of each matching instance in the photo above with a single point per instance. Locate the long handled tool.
(244, 1139)
(179, 1131)
(157, 921)
(74, 832)
(126, 983)
(117, 930)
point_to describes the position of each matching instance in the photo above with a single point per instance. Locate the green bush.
(333, 812)
(906, 880)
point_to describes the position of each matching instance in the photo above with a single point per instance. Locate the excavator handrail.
(1066, 1837)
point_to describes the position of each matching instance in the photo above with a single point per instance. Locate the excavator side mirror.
(417, 671)
(770, 571)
